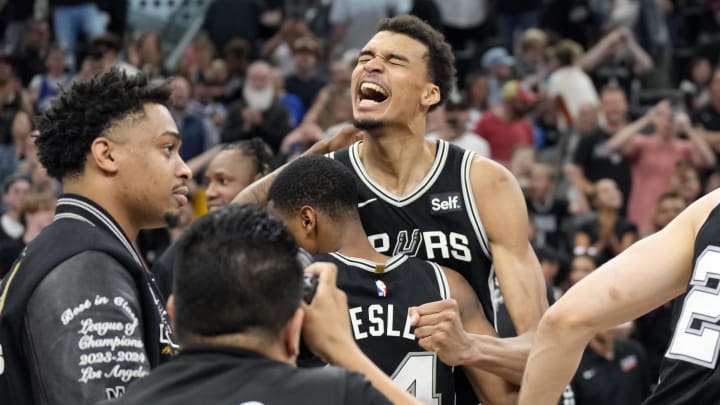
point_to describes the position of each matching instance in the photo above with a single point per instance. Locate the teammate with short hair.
(317, 199)
(679, 260)
(80, 316)
(240, 328)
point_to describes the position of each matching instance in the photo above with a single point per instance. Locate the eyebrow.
(390, 56)
(171, 133)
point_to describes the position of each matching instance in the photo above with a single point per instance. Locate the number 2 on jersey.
(697, 334)
(416, 374)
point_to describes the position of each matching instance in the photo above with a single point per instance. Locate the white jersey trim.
(370, 266)
(417, 192)
(443, 285)
(470, 205)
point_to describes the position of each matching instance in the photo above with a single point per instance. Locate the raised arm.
(703, 155)
(621, 141)
(626, 287)
(256, 193)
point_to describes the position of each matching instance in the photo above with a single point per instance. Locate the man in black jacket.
(80, 316)
(236, 307)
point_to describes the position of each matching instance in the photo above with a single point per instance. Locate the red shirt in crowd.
(504, 136)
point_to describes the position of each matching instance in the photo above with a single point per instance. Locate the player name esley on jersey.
(379, 320)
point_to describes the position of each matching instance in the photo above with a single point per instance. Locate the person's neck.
(304, 75)
(716, 104)
(108, 202)
(507, 114)
(13, 214)
(352, 241)
(608, 213)
(30, 233)
(612, 128)
(271, 348)
(540, 197)
(398, 158)
(604, 346)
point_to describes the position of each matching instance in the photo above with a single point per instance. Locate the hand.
(439, 329)
(251, 116)
(345, 137)
(682, 122)
(326, 325)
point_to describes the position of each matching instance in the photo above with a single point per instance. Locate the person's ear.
(291, 335)
(104, 153)
(430, 95)
(308, 220)
(170, 307)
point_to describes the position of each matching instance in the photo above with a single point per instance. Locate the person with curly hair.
(80, 315)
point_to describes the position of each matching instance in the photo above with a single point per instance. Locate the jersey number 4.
(416, 374)
(697, 333)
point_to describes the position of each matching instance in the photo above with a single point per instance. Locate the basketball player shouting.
(430, 199)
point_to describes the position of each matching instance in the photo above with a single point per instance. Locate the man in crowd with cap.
(498, 63)
(506, 126)
(305, 82)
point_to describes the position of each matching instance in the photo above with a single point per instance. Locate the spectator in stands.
(612, 370)
(305, 82)
(110, 47)
(514, 17)
(708, 117)
(15, 191)
(209, 101)
(228, 19)
(616, 58)
(530, 54)
(29, 60)
(696, 86)
(74, 17)
(521, 163)
(45, 87)
(259, 113)
(148, 54)
(477, 92)
(507, 126)
(191, 126)
(686, 181)
(569, 87)
(237, 56)
(594, 159)
(653, 157)
(449, 122)
(581, 266)
(278, 48)
(547, 211)
(608, 233)
(292, 103)
(36, 213)
(655, 328)
(197, 56)
(353, 22)
(12, 99)
(498, 63)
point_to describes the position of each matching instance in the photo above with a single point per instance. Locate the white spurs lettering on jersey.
(438, 244)
(381, 322)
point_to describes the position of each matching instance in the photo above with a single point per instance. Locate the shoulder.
(488, 175)
(352, 388)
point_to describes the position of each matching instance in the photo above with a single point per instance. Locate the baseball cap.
(515, 90)
(497, 56)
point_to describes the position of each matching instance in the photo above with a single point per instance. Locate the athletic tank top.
(437, 220)
(378, 300)
(689, 373)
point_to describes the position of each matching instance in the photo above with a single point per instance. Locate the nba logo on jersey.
(381, 288)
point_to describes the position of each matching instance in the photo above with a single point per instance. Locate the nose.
(184, 171)
(375, 64)
(211, 191)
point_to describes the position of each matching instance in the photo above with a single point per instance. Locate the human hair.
(613, 86)
(257, 149)
(440, 59)
(670, 195)
(14, 178)
(236, 272)
(322, 183)
(37, 202)
(568, 52)
(85, 111)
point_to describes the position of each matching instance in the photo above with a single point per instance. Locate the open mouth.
(372, 94)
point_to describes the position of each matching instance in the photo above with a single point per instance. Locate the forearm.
(505, 357)
(712, 138)
(704, 154)
(595, 55)
(620, 140)
(552, 362)
(643, 61)
(354, 360)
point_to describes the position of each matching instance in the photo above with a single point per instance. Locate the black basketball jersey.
(378, 300)
(689, 373)
(437, 220)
